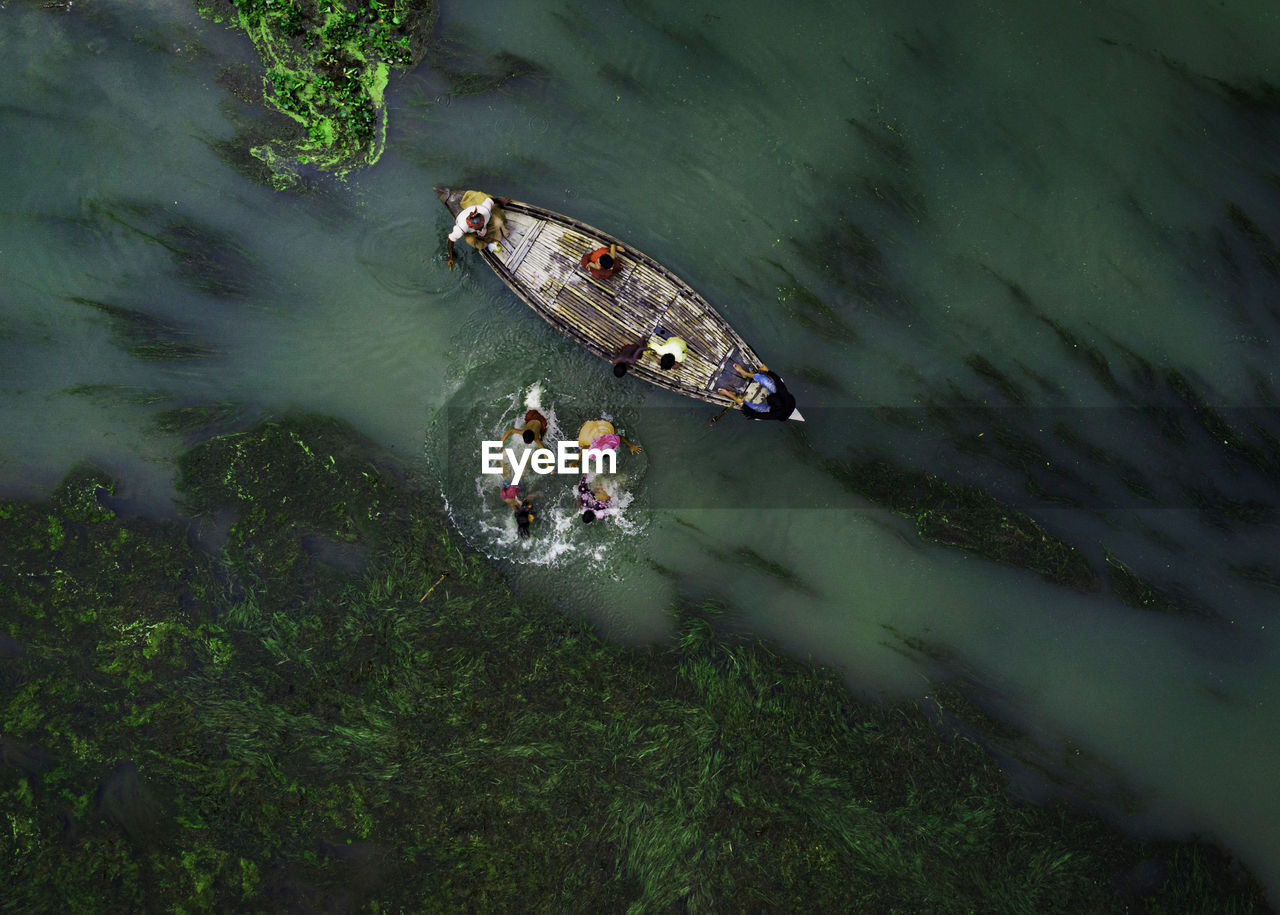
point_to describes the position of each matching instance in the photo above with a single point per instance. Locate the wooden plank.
(688, 320)
(522, 240)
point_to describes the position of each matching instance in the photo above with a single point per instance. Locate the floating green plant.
(327, 64)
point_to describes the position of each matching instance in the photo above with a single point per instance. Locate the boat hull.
(540, 260)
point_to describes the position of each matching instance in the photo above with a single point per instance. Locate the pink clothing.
(609, 442)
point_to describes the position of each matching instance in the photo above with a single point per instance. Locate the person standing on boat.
(602, 263)
(480, 222)
(535, 426)
(779, 404)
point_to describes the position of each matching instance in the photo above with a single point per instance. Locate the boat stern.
(451, 199)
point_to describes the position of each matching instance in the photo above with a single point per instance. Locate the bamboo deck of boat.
(540, 261)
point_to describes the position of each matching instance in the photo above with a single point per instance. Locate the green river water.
(976, 241)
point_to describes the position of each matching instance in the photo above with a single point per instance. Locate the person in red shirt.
(535, 426)
(602, 263)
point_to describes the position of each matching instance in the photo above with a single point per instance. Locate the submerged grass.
(143, 335)
(262, 731)
(963, 516)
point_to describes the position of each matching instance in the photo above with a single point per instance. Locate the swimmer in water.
(599, 433)
(524, 517)
(510, 493)
(592, 503)
(535, 426)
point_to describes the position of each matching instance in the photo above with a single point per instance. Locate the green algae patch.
(266, 731)
(327, 64)
(963, 516)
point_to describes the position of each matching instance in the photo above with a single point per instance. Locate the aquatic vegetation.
(327, 66)
(1020, 296)
(973, 427)
(908, 205)
(1141, 594)
(1259, 573)
(144, 336)
(812, 374)
(504, 67)
(1046, 384)
(749, 559)
(209, 260)
(1086, 352)
(196, 417)
(1265, 459)
(184, 419)
(117, 394)
(343, 501)
(849, 256)
(1019, 451)
(887, 139)
(621, 81)
(184, 731)
(1267, 251)
(982, 367)
(808, 310)
(1141, 367)
(1130, 475)
(1219, 510)
(1261, 95)
(79, 495)
(206, 258)
(959, 515)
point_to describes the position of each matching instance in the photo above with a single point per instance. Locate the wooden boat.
(541, 261)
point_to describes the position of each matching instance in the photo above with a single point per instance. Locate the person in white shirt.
(480, 222)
